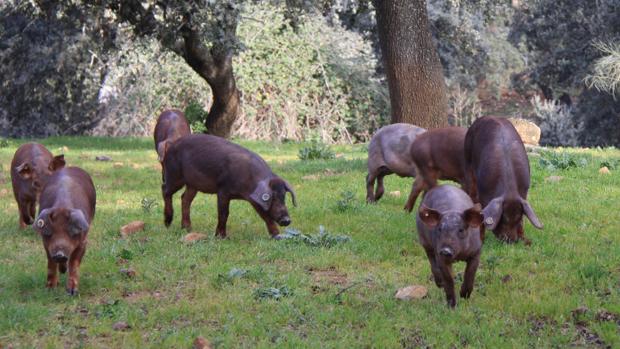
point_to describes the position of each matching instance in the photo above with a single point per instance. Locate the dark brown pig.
(213, 165)
(388, 152)
(171, 125)
(437, 154)
(66, 211)
(31, 167)
(449, 227)
(499, 177)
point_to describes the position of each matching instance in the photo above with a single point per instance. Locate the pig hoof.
(72, 291)
(277, 237)
(465, 293)
(51, 284)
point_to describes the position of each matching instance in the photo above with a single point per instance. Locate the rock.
(193, 237)
(553, 179)
(120, 326)
(411, 292)
(201, 343)
(129, 272)
(529, 132)
(395, 193)
(136, 166)
(118, 165)
(604, 170)
(103, 158)
(132, 228)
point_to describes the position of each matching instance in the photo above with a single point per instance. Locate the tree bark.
(414, 72)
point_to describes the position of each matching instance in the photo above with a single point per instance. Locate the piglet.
(66, 210)
(437, 154)
(171, 125)
(498, 173)
(213, 165)
(449, 229)
(388, 152)
(31, 167)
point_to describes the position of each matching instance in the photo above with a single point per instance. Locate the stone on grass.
(3, 192)
(193, 237)
(411, 292)
(201, 343)
(395, 193)
(529, 132)
(120, 326)
(604, 170)
(118, 165)
(132, 228)
(103, 158)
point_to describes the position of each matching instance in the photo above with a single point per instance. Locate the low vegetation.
(332, 288)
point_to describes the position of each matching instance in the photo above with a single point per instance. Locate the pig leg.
(434, 267)
(52, 273)
(167, 191)
(272, 227)
(417, 187)
(470, 273)
(521, 236)
(74, 266)
(186, 205)
(448, 282)
(25, 218)
(370, 186)
(223, 203)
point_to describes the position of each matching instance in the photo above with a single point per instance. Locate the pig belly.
(202, 183)
(400, 167)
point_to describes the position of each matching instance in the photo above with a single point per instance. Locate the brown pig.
(449, 227)
(171, 125)
(437, 154)
(31, 167)
(388, 152)
(498, 174)
(213, 165)
(66, 210)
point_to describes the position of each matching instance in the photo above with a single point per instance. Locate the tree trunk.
(215, 66)
(413, 70)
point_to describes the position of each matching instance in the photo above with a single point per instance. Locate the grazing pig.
(388, 152)
(66, 210)
(498, 174)
(437, 154)
(31, 167)
(449, 227)
(171, 125)
(213, 165)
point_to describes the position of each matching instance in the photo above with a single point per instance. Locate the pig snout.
(446, 252)
(59, 257)
(284, 221)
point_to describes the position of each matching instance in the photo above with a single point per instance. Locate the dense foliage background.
(313, 71)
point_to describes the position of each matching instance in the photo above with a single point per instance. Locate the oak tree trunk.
(413, 70)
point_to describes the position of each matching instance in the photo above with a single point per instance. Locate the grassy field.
(562, 290)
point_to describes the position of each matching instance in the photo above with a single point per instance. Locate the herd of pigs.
(488, 160)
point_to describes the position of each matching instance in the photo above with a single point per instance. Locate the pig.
(498, 172)
(437, 154)
(171, 125)
(31, 167)
(213, 165)
(388, 152)
(66, 211)
(449, 229)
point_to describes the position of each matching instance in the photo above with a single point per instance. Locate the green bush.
(316, 151)
(196, 116)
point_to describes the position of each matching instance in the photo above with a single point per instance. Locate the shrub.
(316, 151)
(196, 116)
(606, 70)
(464, 107)
(558, 126)
(561, 160)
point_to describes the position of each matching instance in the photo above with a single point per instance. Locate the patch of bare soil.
(330, 276)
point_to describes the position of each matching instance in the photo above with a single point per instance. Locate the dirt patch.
(412, 338)
(133, 297)
(539, 323)
(589, 338)
(328, 172)
(330, 275)
(604, 315)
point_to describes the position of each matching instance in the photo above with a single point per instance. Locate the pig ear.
(262, 195)
(57, 162)
(493, 213)
(290, 190)
(429, 216)
(473, 217)
(77, 222)
(162, 148)
(24, 170)
(529, 212)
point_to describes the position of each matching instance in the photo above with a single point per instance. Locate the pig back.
(70, 187)
(496, 156)
(391, 145)
(444, 198)
(171, 125)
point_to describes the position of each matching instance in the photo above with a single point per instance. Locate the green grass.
(184, 291)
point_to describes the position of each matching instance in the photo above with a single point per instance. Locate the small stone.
(129, 272)
(132, 228)
(506, 278)
(395, 193)
(193, 237)
(604, 170)
(4, 192)
(120, 326)
(411, 292)
(103, 158)
(553, 178)
(136, 166)
(118, 165)
(201, 343)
